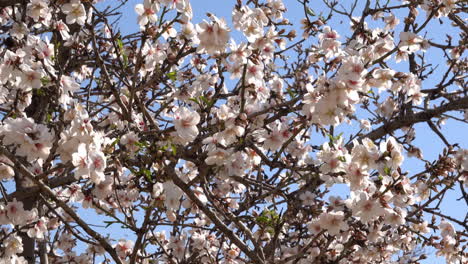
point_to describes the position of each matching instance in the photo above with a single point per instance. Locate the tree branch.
(412, 119)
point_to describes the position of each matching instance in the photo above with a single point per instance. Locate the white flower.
(147, 12)
(314, 226)
(213, 36)
(446, 229)
(382, 78)
(367, 209)
(172, 195)
(30, 79)
(395, 217)
(391, 21)
(278, 135)
(158, 189)
(254, 73)
(6, 170)
(333, 222)
(97, 166)
(38, 230)
(189, 32)
(124, 248)
(410, 42)
(12, 245)
(67, 86)
(388, 107)
(75, 12)
(365, 124)
(185, 123)
(63, 29)
(216, 156)
(329, 43)
(237, 164)
(357, 176)
(37, 9)
(421, 227)
(129, 140)
(81, 161)
(33, 140)
(19, 30)
(16, 212)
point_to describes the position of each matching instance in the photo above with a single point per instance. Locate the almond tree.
(218, 141)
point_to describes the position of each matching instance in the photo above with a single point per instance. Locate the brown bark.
(411, 119)
(5, 3)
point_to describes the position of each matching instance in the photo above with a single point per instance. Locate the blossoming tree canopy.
(330, 134)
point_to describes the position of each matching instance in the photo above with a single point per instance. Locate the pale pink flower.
(6, 169)
(67, 87)
(97, 166)
(13, 245)
(333, 222)
(365, 124)
(124, 248)
(147, 12)
(81, 160)
(15, 212)
(30, 79)
(314, 226)
(39, 228)
(173, 194)
(185, 123)
(410, 42)
(213, 36)
(391, 21)
(129, 140)
(307, 198)
(75, 12)
(446, 229)
(367, 209)
(63, 29)
(357, 176)
(37, 9)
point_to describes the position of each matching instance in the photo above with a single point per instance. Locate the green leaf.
(174, 149)
(141, 144)
(121, 50)
(40, 92)
(334, 138)
(268, 218)
(147, 174)
(291, 93)
(49, 117)
(270, 230)
(125, 60)
(262, 220)
(172, 76)
(117, 140)
(120, 44)
(310, 11)
(203, 98)
(194, 100)
(387, 170)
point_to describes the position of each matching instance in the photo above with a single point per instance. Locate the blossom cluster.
(217, 140)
